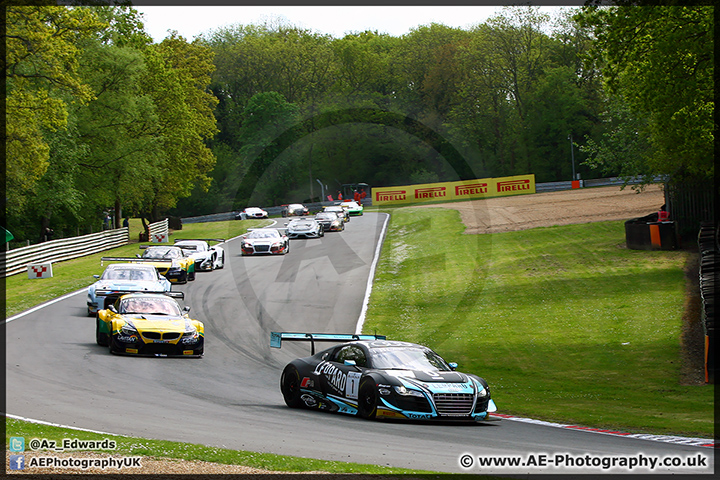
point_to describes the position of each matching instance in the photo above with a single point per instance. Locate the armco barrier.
(16, 260)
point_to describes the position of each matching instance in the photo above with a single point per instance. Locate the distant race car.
(150, 324)
(339, 210)
(330, 221)
(296, 209)
(124, 277)
(170, 261)
(304, 228)
(353, 207)
(207, 257)
(372, 377)
(254, 212)
(265, 241)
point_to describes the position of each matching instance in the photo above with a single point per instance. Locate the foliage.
(660, 60)
(262, 113)
(41, 65)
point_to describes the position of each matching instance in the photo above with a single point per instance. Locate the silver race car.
(304, 228)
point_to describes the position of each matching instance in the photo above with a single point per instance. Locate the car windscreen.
(410, 358)
(163, 253)
(263, 234)
(156, 306)
(134, 274)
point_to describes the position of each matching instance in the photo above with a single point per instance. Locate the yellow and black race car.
(170, 261)
(143, 323)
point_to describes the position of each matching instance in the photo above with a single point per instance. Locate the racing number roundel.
(353, 385)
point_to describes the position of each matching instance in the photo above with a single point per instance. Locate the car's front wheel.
(100, 338)
(367, 398)
(290, 386)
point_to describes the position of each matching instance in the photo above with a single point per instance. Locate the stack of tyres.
(708, 248)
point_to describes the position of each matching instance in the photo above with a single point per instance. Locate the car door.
(340, 373)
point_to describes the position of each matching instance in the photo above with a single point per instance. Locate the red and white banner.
(39, 270)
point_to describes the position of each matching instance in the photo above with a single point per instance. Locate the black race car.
(371, 377)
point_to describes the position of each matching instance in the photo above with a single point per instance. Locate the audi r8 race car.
(341, 211)
(295, 209)
(330, 221)
(125, 277)
(353, 207)
(207, 257)
(181, 267)
(255, 212)
(149, 324)
(304, 228)
(372, 377)
(265, 241)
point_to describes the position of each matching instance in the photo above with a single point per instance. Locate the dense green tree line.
(101, 117)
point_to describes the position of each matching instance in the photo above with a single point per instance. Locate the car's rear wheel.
(100, 338)
(290, 387)
(367, 398)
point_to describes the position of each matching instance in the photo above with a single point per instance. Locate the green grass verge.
(565, 323)
(130, 446)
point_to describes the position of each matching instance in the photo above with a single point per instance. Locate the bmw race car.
(207, 257)
(265, 241)
(304, 228)
(330, 221)
(149, 324)
(124, 277)
(181, 268)
(372, 377)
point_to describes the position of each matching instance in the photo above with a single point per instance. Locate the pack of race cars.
(137, 313)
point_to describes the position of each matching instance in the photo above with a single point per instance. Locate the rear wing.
(144, 247)
(107, 293)
(276, 338)
(134, 260)
(219, 240)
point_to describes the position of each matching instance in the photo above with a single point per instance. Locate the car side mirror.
(96, 276)
(138, 255)
(162, 277)
(186, 309)
(453, 365)
(112, 309)
(351, 363)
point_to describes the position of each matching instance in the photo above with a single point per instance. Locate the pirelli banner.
(462, 190)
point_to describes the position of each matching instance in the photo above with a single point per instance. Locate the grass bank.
(565, 323)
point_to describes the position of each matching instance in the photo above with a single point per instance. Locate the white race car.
(265, 241)
(304, 228)
(125, 277)
(255, 212)
(207, 257)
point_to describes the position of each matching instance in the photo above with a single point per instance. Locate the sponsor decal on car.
(335, 377)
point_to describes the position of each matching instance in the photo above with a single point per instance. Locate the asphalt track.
(231, 398)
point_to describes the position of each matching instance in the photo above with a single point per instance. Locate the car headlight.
(482, 392)
(401, 390)
(128, 329)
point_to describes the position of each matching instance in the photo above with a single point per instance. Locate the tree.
(41, 75)
(177, 82)
(660, 60)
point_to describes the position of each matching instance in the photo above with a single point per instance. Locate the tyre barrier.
(646, 233)
(708, 248)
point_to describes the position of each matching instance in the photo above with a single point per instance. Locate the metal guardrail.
(16, 261)
(539, 188)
